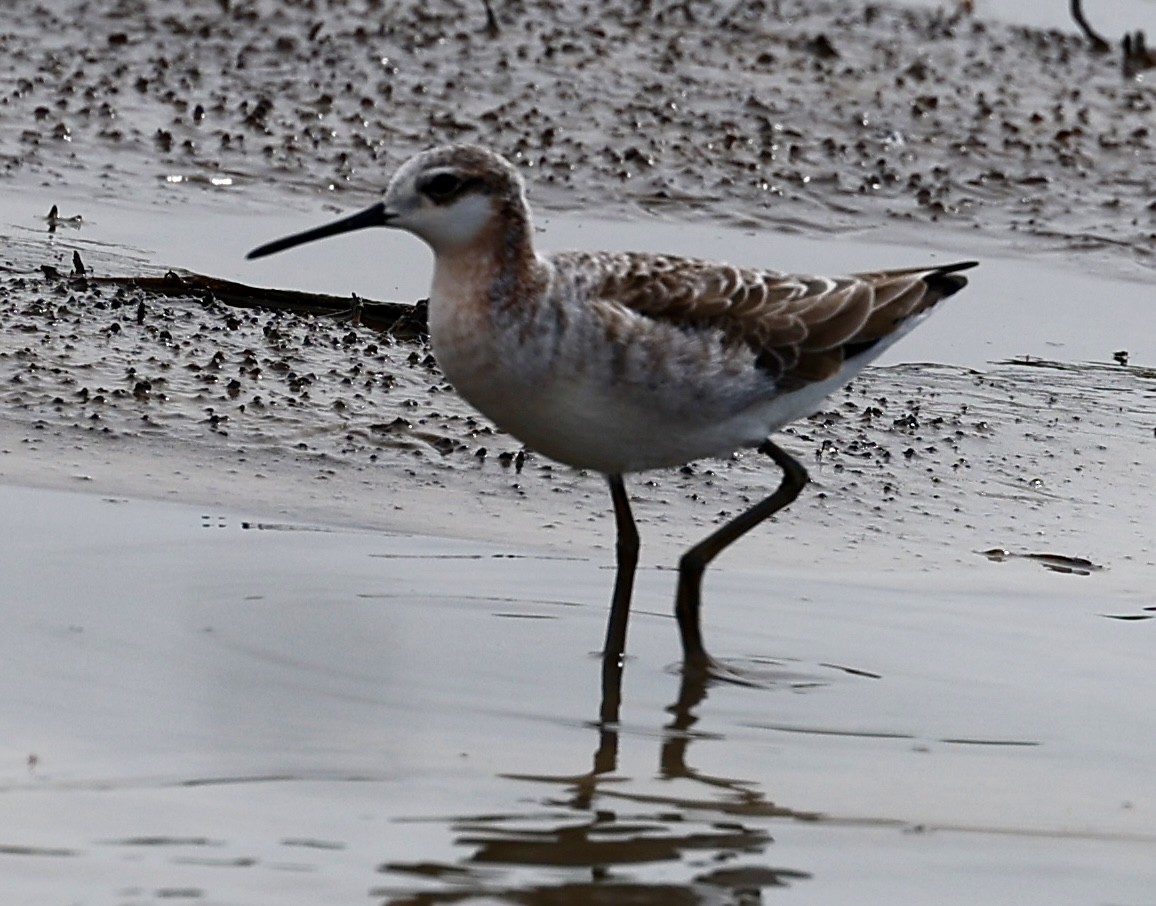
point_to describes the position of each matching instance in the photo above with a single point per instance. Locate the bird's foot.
(701, 668)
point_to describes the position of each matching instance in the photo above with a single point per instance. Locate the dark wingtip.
(957, 266)
(947, 280)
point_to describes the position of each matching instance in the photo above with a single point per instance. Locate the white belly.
(577, 399)
(594, 427)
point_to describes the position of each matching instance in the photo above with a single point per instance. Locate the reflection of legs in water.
(691, 693)
(592, 836)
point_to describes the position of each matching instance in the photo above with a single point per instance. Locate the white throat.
(452, 227)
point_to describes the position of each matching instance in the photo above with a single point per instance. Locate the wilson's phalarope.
(627, 362)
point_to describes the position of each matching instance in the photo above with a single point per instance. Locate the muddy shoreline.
(814, 117)
(236, 404)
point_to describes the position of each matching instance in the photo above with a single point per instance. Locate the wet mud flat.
(285, 618)
(133, 393)
(819, 117)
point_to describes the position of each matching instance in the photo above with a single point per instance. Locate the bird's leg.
(688, 600)
(627, 547)
(1099, 45)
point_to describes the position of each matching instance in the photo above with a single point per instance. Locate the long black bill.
(371, 217)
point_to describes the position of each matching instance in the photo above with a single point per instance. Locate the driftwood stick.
(399, 318)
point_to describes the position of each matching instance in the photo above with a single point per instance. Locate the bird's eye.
(441, 186)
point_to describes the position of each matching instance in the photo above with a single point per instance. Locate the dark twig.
(1137, 57)
(400, 319)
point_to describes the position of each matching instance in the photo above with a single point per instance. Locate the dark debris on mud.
(812, 116)
(166, 356)
(1017, 450)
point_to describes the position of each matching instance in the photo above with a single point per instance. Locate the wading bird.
(623, 362)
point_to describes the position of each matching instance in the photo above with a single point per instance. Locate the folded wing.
(801, 328)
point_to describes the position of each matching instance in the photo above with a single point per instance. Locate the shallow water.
(204, 706)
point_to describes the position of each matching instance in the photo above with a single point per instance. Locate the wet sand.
(285, 620)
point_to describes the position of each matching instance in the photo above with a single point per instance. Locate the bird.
(626, 362)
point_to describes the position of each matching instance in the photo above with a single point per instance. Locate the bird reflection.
(598, 826)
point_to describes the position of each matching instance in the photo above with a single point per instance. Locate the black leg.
(624, 581)
(688, 600)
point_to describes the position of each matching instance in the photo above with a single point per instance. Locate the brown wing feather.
(801, 328)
